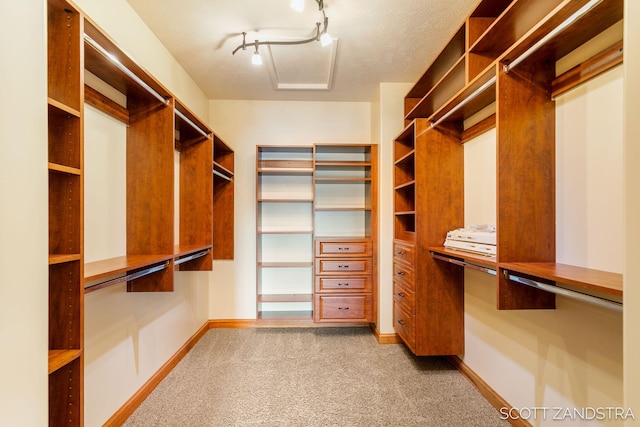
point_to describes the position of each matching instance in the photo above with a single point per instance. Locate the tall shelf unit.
(66, 180)
(316, 232)
(284, 241)
(504, 53)
(158, 125)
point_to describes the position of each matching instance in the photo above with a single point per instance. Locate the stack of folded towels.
(479, 239)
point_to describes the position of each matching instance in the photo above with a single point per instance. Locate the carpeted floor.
(311, 377)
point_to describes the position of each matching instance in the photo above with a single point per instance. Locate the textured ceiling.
(376, 41)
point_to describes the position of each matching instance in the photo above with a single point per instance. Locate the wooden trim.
(479, 128)
(277, 323)
(592, 67)
(136, 400)
(384, 338)
(487, 392)
(106, 105)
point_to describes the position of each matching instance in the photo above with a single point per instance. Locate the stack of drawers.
(343, 280)
(404, 303)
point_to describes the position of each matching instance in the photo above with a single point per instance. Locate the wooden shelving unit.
(284, 232)
(223, 200)
(66, 246)
(507, 49)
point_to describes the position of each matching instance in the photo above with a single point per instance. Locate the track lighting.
(321, 33)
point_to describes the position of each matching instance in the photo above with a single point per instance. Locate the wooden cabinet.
(223, 200)
(503, 54)
(316, 232)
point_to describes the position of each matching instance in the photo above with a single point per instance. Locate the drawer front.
(404, 297)
(404, 252)
(336, 308)
(343, 284)
(346, 248)
(343, 266)
(404, 324)
(403, 274)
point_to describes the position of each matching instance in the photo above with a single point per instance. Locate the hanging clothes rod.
(124, 69)
(465, 101)
(221, 175)
(126, 278)
(613, 305)
(192, 124)
(191, 257)
(563, 26)
(463, 263)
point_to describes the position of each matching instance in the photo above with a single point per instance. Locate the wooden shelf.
(222, 172)
(285, 297)
(323, 180)
(62, 258)
(596, 280)
(54, 167)
(60, 358)
(285, 315)
(267, 232)
(485, 261)
(342, 208)
(285, 200)
(182, 250)
(64, 108)
(285, 264)
(108, 267)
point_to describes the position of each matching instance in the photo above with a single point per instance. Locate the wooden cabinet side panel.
(150, 174)
(223, 219)
(439, 289)
(525, 121)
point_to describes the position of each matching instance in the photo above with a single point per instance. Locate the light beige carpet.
(311, 377)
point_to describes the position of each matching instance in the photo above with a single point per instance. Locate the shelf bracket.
(613, 305)
(462, 263)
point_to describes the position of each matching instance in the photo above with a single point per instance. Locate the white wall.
(389, 111)
(570, 357)
(243, 125)
(23, 216)
(632, 212)
(128, 337)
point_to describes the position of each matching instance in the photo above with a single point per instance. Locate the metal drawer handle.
(343, 266)
(343, 284)
(344, 249)
(400, 273)
(401, 252)
(343, 308)
(400, 321)
(401, 294)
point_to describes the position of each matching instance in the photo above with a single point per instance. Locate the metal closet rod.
(192, 124)
(124, 69)
(613, 305)
(128, 277)
(191, 257)
(221, 175)
(563, 26)
(463, 263)
(465, 101)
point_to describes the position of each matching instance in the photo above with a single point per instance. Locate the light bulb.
(297, 5)
(256, 59)
(325, 39)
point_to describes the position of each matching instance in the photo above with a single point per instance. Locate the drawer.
(336, 308)
(343, 266)
(404, 324)
(343, 248)
(343, 284)
(404, 297)
(403, 273)
(404, 252)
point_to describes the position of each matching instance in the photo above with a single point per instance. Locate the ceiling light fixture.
(297, 5)
(321, 34)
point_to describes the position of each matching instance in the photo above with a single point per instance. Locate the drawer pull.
(343, 308)
(343, 284)
(343, 266)
(344, 249)
(401, 294)
(400, 321)
(400, 273)
(401, 253)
